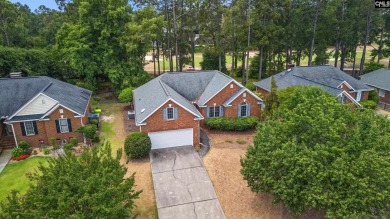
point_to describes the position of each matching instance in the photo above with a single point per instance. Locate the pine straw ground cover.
(237, 200)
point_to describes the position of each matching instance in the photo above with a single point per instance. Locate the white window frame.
(27, 130)
(246, 107)
(358, 96)
(67, 125)
(381, 93)
(214, 112)
(173, 113)
(231, 85)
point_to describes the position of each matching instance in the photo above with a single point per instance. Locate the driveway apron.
(182, 186)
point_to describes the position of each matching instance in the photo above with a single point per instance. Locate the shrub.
(137, 145)
(53, 141)
(74, 141)
(68, 146)
(240, 141)
(211, 60)
(93, 122)
(24, 146)
(251, 86)
(97, 98)
(369, 104)
(96, 139)
(88, 131)
(372, 66)
(126, 95)
(373, 95)
(46, 151)
(232, 124)
(16, 152)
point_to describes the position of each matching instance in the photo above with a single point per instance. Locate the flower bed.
(21, 157)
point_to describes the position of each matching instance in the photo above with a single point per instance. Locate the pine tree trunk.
(381, 44)
(243, 67)
(314, 33)
(354, 61)
(233, 55)
(261, 61)
(158, 59)
(336, 58)
(154, 59)
(365, 44)
(342, 59)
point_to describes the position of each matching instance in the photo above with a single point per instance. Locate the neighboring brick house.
(346, 88)
(379, 79)
(35, 109)
(172, 107)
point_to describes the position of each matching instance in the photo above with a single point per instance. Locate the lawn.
(14, 176)
(236, 198)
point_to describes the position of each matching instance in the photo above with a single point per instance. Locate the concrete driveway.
(4, 158)
(182, 186)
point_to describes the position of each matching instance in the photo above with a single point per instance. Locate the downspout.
(13, 130)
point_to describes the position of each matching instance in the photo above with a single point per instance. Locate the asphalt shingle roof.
(379, 78)
(327, 77)
(184, 88)
(16, 92)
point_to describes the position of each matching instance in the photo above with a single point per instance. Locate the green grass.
(14, 176)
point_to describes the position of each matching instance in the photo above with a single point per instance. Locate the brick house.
(35, 109)
(379, 79)
(344, 87)
(172, 107)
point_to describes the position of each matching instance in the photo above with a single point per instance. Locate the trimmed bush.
(68, 146)
(126, 95)
(232, 124)
(369, 104)
(16, 152)
(137, 145)
(24, 146)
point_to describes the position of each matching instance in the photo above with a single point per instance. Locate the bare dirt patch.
(383, 112)
(107, 118)
(223, 166)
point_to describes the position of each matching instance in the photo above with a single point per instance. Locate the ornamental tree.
(314, 153)
(92, 185)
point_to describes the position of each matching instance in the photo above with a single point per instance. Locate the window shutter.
(58, 126)
(175, 113)
(35, 127)
(248, 109)
(207, 112)
(165, 115)
(239, 110)
(69, 125)
(22, 128)
(221, 111)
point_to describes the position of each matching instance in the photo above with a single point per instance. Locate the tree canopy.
(92, 185)
(315, 153)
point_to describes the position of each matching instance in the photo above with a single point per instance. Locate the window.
(61, 111)
(244, 110)
(29, 128)
(359, 96)
(244, 95)
(381, 93)
(64, 125)
(170, 113)
(214, 111)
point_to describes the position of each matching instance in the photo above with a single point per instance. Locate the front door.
(8, 129)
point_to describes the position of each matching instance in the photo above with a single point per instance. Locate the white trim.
(28, 103)
(16, 141)
(173, 112)
(28, 120)
(246, 109)
(354, 91)
(232, 80)
(170, 99)
(351, 98)
(25, 129)
(250, 92)
(379, 93)
(377, 87)
(346, 83)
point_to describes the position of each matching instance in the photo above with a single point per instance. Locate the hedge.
(232, 124)
(369, 104)
(137, 145)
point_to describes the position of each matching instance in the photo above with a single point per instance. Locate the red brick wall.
(365, 95)
(262, 92)
(185, 119)
(223, 95)
(232, 111)
(47, 129)
(386, 98)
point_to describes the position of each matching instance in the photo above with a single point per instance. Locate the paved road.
(182, 186)
(4, 158)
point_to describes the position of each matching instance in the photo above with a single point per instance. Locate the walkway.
(182, 186)
(4, 158)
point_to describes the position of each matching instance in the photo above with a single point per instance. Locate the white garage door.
(173, 138)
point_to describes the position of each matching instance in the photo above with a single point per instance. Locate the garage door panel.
(171, 138)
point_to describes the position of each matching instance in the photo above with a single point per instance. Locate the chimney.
(15, 74)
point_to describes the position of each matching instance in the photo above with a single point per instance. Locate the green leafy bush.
(372, 66)
(96, 139)
(232, 124)
(137, 145)
(126, 95)
(16, 152)
(74, 141)
(88, 131)
(53, 141)
(24, 146)
(369, 104)
(373, 95)
(68, 146)
(251, 86)
(93, 121)
(46, 151)
(211, 60)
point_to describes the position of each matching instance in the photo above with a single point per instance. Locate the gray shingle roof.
(236, 94)
(16, 92)
(27, 117)
(327, 77)
(379, 79)
(183, 88)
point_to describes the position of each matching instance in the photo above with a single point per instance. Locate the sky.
(34, 4)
